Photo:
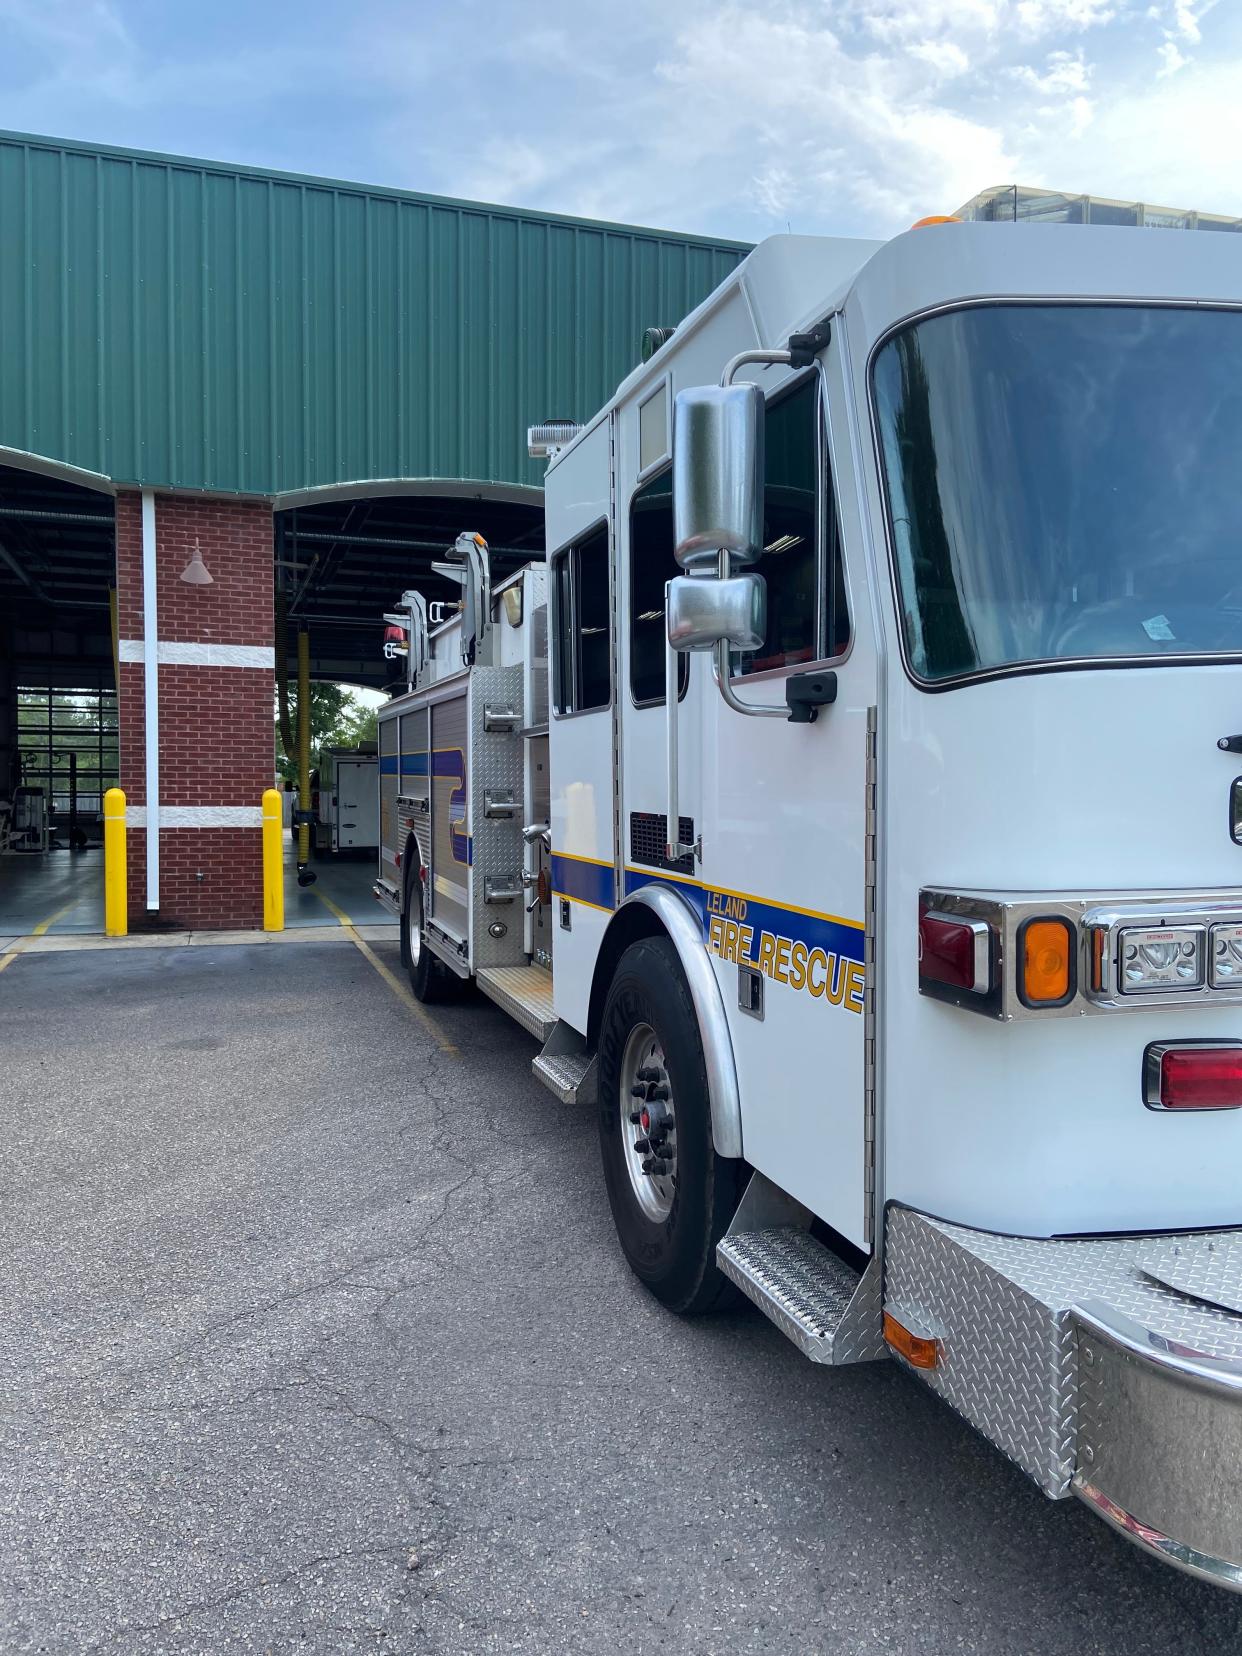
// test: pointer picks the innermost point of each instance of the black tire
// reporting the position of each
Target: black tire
(674, 1256)
(430, 979)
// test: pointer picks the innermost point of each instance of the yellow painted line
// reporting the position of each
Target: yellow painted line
(399, 989)
(19, 943)
(333, 909)
(51, 920)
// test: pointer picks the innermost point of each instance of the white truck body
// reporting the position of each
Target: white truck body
(986, 1184)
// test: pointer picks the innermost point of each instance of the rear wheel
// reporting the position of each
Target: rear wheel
(430, 979)
(672, 1196)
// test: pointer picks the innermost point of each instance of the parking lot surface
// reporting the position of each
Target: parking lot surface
(314, 1338)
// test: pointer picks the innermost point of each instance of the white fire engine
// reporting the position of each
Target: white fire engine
(852, 807)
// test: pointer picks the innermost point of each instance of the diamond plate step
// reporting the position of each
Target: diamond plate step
(830, 1312)
(524, 992)
(569, 1076)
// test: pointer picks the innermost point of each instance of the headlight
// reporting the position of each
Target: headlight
(1161, 958)
(1225, 966)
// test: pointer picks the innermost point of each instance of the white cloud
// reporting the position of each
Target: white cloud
(946, 57)
(1171, 60)
(1064, 72)
(1043, 17)
(1186, 17)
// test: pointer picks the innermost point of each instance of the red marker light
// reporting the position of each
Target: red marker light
(955, 951)
(1206, 1076)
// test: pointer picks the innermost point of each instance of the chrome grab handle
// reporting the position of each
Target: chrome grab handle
(672, 839)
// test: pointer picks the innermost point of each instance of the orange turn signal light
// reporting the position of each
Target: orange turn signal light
(1047, 962)
(919, 1350)
(936, 218)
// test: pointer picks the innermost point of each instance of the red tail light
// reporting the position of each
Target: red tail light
(955, 951)
(1193, 1075)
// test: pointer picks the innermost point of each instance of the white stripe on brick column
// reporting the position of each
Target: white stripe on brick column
(198, 816)
(151, 699)
(169, 653)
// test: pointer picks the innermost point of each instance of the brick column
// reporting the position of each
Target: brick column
(216, 684)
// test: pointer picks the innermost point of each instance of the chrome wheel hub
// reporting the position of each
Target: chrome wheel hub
(648, 1123)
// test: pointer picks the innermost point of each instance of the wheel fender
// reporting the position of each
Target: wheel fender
(686, 934)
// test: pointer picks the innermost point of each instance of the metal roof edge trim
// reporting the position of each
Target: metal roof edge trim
(192, 163)
(45, 466)
(372, 488)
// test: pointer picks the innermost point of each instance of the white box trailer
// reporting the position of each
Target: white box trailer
(348, 801)
(893, 828)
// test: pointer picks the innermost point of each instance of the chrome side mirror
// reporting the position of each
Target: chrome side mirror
(717, 474)
(705, 612)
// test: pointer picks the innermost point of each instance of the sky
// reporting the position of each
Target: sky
(736, 118)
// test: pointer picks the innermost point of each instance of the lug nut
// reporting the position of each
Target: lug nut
(642, 1146)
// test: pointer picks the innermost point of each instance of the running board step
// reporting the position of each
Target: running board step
(568, 1076)
(831, 1314)
(524, 992)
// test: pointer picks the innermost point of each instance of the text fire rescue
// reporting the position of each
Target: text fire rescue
(821, 972)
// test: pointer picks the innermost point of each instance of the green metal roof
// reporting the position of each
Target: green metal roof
(184, 323)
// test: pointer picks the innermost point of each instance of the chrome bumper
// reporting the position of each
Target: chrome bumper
(1160, 1443)
(1109, 1369)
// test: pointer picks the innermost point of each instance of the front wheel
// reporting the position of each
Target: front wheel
(430, 979)
(672, 1196)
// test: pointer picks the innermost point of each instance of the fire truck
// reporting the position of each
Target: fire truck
(851, 807)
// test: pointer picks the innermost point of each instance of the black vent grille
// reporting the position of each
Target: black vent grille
(648, 835)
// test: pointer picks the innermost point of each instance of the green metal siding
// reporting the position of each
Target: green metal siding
(178, 323)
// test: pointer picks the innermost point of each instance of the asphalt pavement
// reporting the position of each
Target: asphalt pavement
(314, 1337)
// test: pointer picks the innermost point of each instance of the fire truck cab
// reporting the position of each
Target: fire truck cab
(866, 760)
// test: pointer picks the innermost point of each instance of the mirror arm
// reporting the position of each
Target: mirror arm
(801, 353)
(720, 666)
(743, 357)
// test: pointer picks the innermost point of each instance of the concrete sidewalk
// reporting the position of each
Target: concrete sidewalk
(316, 1339)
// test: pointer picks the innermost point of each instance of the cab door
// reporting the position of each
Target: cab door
(783, 882)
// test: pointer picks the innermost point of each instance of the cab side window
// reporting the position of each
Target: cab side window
(807, 616)
(581, 680)
(652, 564)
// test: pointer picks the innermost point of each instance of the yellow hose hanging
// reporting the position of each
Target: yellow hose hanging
(282, 676)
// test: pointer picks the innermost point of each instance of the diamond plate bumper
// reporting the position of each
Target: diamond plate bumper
(1110, 1369)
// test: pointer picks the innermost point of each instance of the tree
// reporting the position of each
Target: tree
(338, 718)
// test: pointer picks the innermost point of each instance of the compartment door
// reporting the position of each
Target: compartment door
(448, 882)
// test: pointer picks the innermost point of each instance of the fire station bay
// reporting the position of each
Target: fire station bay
(240, 413)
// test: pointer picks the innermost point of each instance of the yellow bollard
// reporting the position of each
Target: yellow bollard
(273, 863)
(116, 901)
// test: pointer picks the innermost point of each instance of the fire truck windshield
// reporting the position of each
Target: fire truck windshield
(1064, 482)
